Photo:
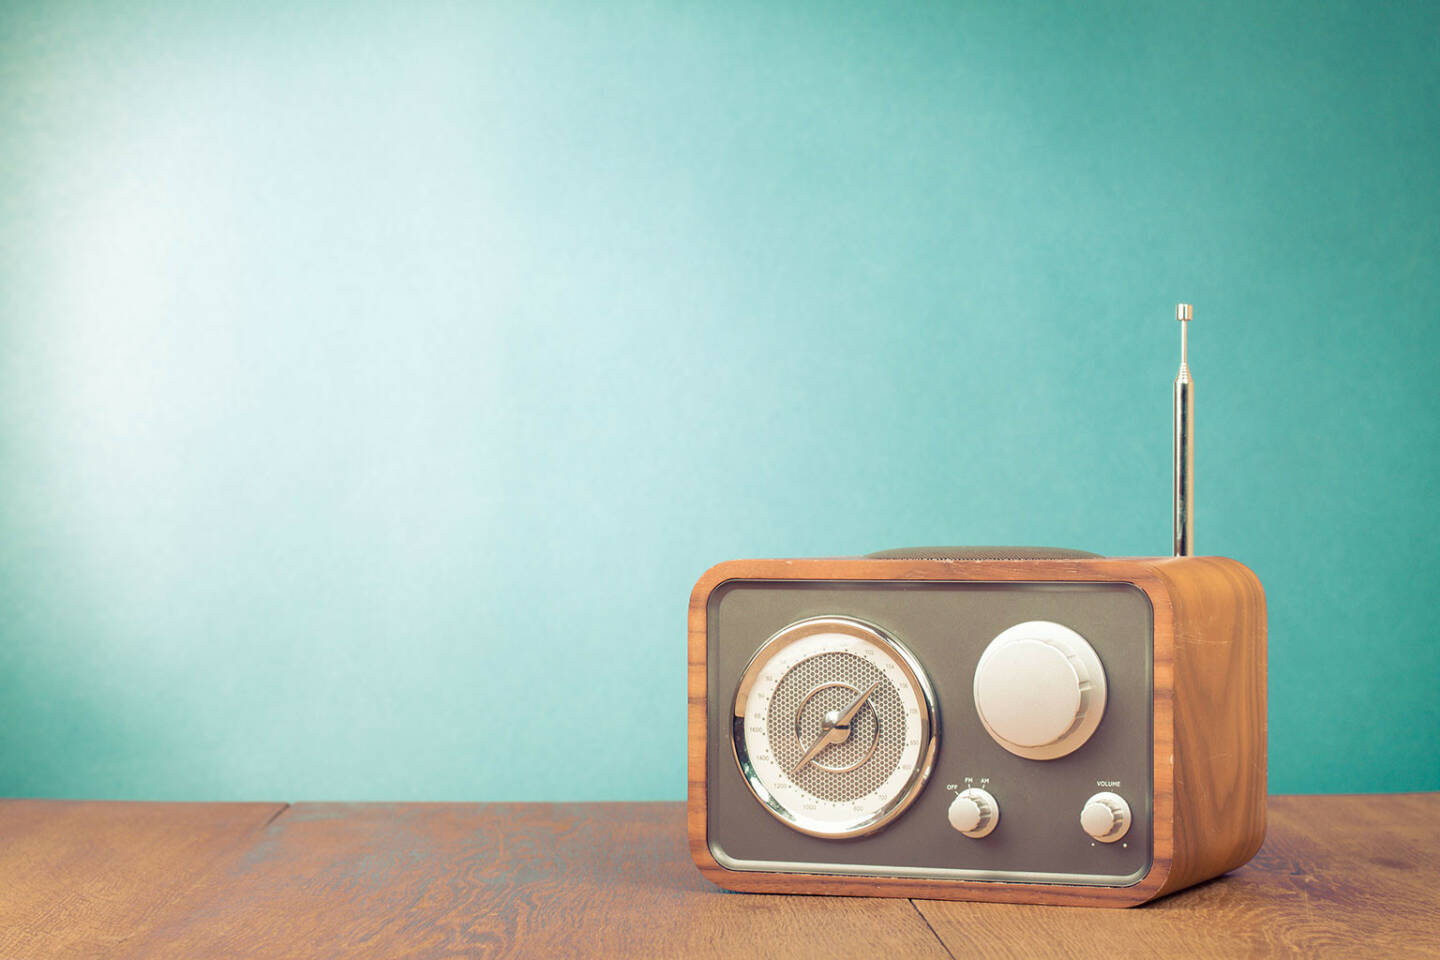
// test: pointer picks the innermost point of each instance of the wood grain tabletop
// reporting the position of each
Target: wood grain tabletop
(1341, 876)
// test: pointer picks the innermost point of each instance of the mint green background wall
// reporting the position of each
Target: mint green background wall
(375, 383)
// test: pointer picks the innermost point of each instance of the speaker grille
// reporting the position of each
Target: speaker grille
(831, 681)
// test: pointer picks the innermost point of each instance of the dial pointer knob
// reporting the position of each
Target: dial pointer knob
(836, 730)
(1040, 690)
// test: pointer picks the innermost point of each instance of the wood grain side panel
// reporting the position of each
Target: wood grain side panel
(1140, 572)
(79, 878)
(1220, 702)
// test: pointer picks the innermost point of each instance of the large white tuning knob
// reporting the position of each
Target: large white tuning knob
(1040, 690)
(1106, 817)
(974, 813)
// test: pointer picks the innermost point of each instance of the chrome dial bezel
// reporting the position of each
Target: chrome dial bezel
(929, 724)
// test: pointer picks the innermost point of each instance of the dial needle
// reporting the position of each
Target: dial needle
(836, 732)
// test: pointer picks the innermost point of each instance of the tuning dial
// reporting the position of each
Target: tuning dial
(1106, 817)
(1040, 690)
(974, 813)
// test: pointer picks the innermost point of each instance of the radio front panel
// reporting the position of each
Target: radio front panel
(935, 730)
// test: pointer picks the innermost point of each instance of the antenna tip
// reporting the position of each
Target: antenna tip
(1184, 312)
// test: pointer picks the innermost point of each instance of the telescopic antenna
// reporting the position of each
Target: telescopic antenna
(1184, 442)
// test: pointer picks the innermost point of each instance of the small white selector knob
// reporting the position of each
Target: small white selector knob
(1040, 690)
(974, 813)
(1106, 817)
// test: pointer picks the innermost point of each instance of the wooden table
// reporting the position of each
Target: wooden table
(1339, 876)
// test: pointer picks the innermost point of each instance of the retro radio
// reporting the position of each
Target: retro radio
(1013, 724)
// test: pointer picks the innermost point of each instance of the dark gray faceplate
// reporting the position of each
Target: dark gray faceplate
(947, 626)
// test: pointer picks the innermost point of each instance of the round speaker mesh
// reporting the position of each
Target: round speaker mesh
(880, 723)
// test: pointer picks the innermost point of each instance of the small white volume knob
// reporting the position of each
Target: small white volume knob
(974, 813)
(1106, 817)
(1040, 690)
